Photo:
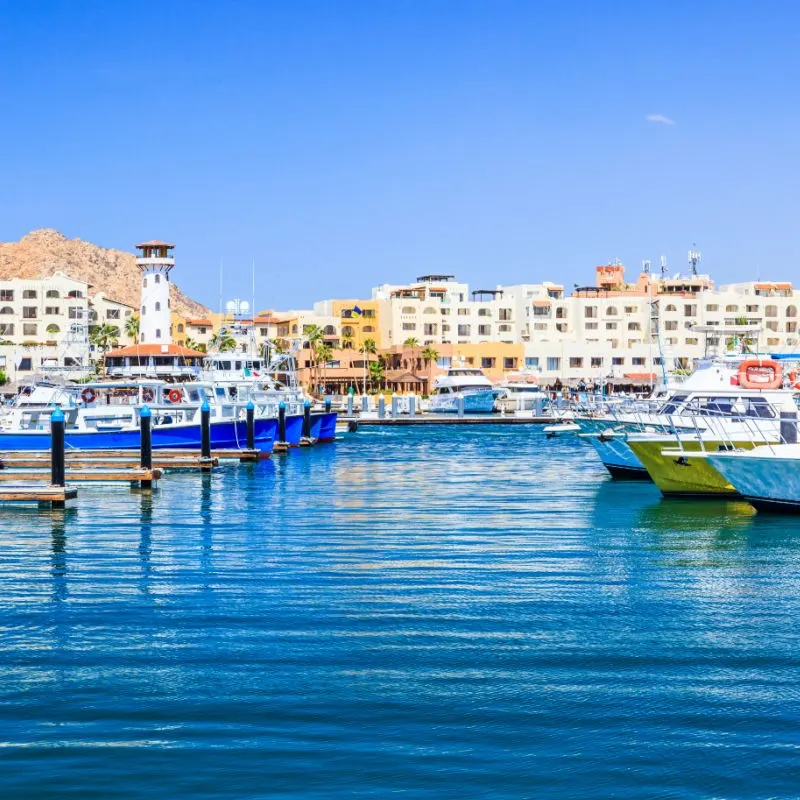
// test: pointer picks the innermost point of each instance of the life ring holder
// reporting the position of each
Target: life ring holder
(88, 395)
(148, 395)
(748, 370)
(174, 395)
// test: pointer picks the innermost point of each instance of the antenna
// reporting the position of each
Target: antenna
(646, 265)
(663, 266)
(694, 258)
(221, 265)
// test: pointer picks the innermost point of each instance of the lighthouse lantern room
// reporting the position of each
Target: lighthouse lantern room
(155, 260)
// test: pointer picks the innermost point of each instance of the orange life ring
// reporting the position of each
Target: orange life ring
(174, 395)
(88, 395)
(793, 381)
(758, 373)
(147, 395)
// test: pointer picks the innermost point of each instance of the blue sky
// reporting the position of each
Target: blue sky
(341, 144)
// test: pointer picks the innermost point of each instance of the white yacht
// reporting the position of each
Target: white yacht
(467, 384)
(520, 395)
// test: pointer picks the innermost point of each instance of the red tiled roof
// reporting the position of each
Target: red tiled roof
(199, 322)
(640, 376)
(155, 243)
(154, 350)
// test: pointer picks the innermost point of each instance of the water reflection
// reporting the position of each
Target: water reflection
(58, 556)
(145, 539)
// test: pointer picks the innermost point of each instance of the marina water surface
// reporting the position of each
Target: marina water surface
(432, 612)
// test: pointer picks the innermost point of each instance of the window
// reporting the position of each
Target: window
(52, 311)
(618, 361)
(634, 326)
(30, 329)
(731, 309)
(638, 361)
(158, 333)
(6, 329)
(506, 314)
(261, 331)
(157, 278)
(611, 326)
(531, 362)
(596, 361)
(553, 364)
(691, 340)
(671, 307)
(611, 311)
(52, 293)
(368, 329)
(590, 312)
(408, 310)
(791, 311)
(771, 311)
(484, 312)
(443, 362)
(29, 312)
(487, 363)
(484, 330)
(429, 328)
(158, 306)
(509, 363)
(409, 326)
(25, 365)
(53, 329)
(112, 313)
(201, 331)
(445, 312)
(29, 294)
(7, 295)
(463, 312)
(144, 310)
(540, 326)
(575, 362)
(671, 325)
(464, 330)
(504, 328)
(6, 310)
(751, 309)
(429, 310)
(712, 308)
(591, 326)
(631, 309)
(75, 294)
(180, 327)
(690, 310)
(772, 325)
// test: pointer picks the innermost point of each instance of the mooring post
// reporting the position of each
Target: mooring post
(349, 405)
(394, 406)
(305, 438)
(205, 430)
(412, 405)
(146, 443)
(364, 403)
(327, 404)
(282, 425)
(460, 405)
(57, 465)
(381, 406)
(251, 425)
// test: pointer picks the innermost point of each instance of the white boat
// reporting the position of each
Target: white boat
(519, 394)
(465, 387)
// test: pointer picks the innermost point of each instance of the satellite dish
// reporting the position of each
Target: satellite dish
(244, 306)
(230, 306)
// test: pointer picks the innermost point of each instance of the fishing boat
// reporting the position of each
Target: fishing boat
(106, 416)
(519, 394)
(462, 386)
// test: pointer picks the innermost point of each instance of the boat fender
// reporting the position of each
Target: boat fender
(174, 396)
(88, 395)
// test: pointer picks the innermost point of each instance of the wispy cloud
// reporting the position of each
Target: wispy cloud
(660, 118)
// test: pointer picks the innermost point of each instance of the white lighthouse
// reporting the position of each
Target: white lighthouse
(156, 261)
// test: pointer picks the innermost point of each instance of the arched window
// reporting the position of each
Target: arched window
(53, 329)
(158, 278)
(75, 293)
(611, 311)
(368, 329)
(409, 310)
(158, 306)
(158, 333)
(791, 311)
(52, 293)
(671, 307)
(347, 331)
(6, 310)
(180, 328)
(430, 310)
(330, 330)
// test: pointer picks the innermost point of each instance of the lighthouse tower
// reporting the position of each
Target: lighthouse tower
(155, 260)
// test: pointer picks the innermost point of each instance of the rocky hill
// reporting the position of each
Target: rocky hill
(113, 272)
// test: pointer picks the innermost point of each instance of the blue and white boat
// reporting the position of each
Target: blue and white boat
(106, 416)
(463, 383)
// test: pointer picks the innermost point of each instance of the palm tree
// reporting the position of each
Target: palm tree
(368, 348)
(3, 378)
(223, 341)
(347, 341)
(376, 373)
(322, 353)
(104, 337)
(313, 335)
(191, 344)
(132, 327)
(412, 343)
(430, 354)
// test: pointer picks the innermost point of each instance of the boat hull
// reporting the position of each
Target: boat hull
(224, 435)
(676, 475)
(617, 457)
(325, 426)
(474, 403)
(770, 484)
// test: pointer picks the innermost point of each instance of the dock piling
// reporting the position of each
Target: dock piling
(281, 446)
(394, 406)
(251, 425)
(146, 443)
(349, 405)
(327, 404)
(305, 438)
(412, 405)
(205, 434)
(381, 407)
(460, 405)
(57, 458)
(364, 403)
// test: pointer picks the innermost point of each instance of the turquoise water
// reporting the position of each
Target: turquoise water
(428, 612)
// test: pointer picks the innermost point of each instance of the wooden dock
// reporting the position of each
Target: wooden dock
(55, 496)
(118, 475)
